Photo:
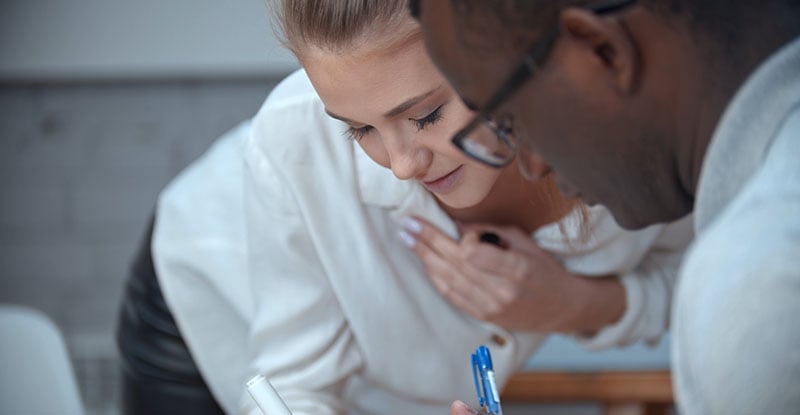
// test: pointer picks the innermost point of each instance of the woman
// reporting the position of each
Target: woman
(335, 309)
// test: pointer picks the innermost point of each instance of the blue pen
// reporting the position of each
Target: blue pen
(486, 387)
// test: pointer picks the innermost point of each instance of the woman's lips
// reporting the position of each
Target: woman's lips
(445, 183)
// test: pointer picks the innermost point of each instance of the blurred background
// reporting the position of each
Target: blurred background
(102, 102)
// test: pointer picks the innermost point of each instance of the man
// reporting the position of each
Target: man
(655, 109)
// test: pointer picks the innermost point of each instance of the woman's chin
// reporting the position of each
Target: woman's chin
(452, 201)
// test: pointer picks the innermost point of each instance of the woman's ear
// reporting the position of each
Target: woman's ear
(606, 43)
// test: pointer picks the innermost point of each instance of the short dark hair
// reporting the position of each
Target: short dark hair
(722, 21)
(722, 28)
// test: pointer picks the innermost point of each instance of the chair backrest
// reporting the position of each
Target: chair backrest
(36, 375)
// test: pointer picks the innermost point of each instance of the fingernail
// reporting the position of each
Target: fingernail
(412, 225)
(406, 238)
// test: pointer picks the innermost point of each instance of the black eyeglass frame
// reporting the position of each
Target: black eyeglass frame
(535, 57)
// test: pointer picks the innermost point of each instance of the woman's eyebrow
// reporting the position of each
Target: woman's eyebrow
(409, 103)
(394, 111)
(339, 117)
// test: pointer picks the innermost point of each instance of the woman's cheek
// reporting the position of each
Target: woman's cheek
(375, 150)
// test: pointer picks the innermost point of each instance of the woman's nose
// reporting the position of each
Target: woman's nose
(409, 161)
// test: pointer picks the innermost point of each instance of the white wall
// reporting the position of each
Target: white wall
(138, 39)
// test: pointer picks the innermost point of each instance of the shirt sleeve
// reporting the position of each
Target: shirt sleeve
(299, 338)
(648, 292)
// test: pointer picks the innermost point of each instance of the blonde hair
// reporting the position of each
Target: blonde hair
(573, 207)
(340, 25)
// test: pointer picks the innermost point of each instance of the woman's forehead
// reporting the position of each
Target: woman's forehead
(372, 80)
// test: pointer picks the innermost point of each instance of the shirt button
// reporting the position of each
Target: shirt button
(499, 340)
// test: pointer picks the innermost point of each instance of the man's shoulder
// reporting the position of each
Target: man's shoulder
(760, 231)
(768, 205)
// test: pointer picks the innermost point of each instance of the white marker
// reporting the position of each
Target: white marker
(265, 396)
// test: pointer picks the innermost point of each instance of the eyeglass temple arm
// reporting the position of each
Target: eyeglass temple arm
(532, 59)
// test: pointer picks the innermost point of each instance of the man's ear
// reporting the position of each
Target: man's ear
(608, 41)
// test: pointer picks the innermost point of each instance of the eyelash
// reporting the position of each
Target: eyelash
(357, 133)
(429, 119)
(435, 115)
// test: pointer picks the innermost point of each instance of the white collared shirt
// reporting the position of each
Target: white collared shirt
(289, 265)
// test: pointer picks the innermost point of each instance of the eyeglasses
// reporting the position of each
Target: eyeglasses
(492, 142)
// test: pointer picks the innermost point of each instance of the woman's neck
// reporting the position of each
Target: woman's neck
(515, 201)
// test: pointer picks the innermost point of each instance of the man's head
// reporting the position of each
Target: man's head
(623, 104)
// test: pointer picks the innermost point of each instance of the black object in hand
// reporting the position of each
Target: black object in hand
(491, 238)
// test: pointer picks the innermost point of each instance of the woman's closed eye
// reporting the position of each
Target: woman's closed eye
(357, 133)
(429, 119)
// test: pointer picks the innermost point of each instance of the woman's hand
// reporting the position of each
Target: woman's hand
(460, 408)
(521, 287)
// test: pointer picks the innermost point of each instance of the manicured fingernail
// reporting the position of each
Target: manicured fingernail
(406, 238)
(412, 225)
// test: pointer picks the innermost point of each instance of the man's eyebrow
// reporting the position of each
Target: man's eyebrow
(409, 103)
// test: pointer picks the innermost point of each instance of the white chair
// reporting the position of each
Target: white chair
(36, 375)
